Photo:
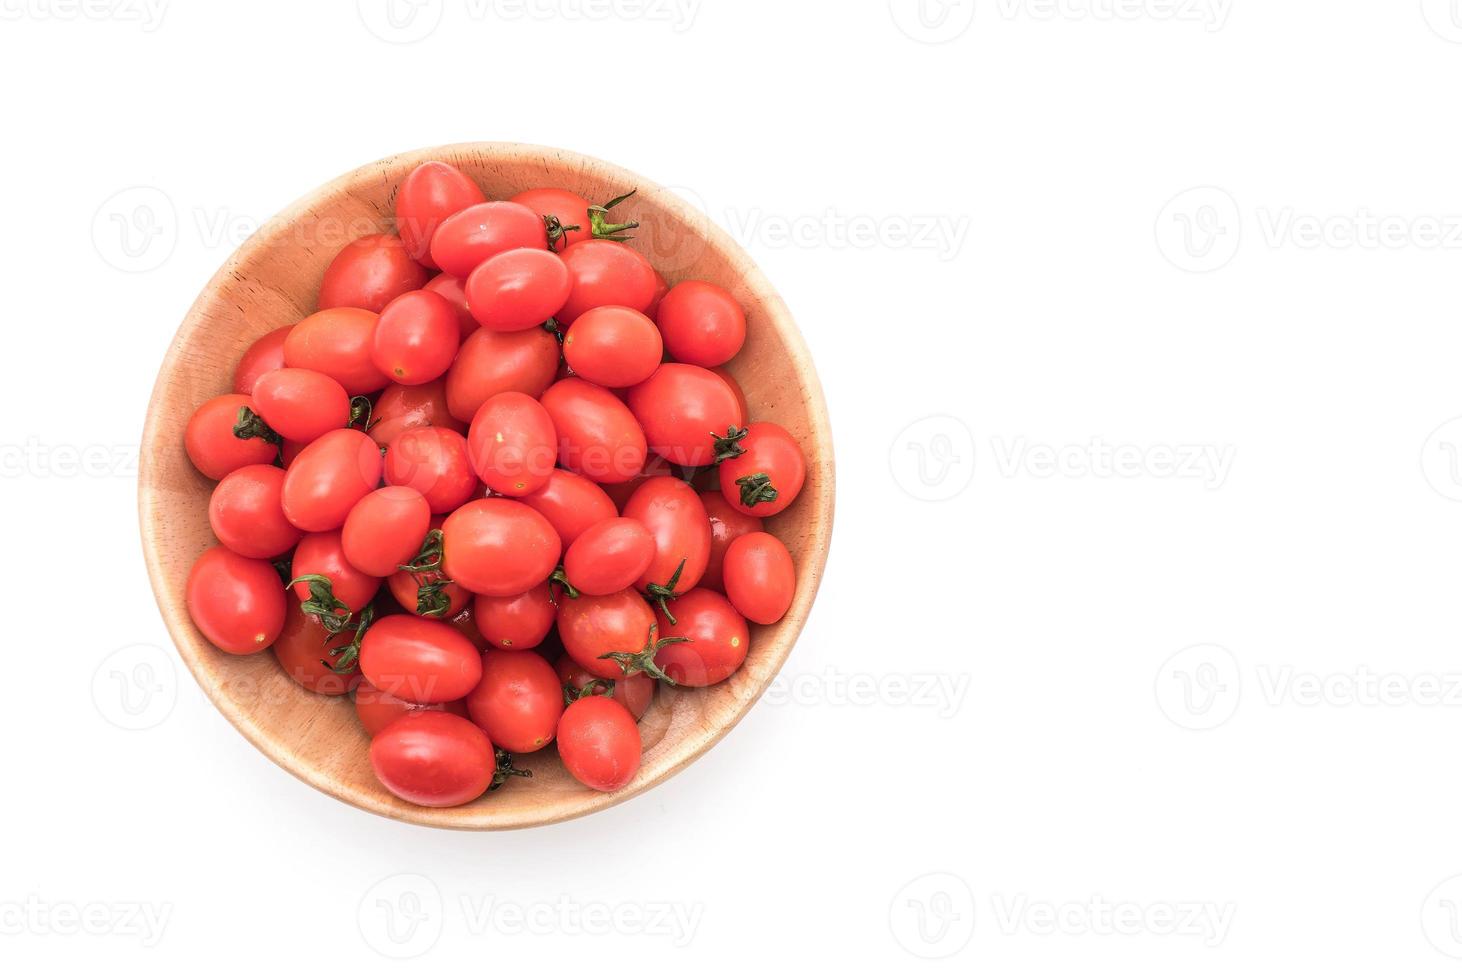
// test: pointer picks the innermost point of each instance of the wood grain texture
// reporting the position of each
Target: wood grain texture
(272, 280)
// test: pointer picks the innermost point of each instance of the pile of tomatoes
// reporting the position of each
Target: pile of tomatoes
(498, 488)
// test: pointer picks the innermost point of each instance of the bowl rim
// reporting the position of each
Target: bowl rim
(171, 601)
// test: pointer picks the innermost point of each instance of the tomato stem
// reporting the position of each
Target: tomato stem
(505, 769)
(360, 412)
(429, 557)
(662, 594)
(643, 660)
(572, 694)
(554, 327)
(557, 230)
(348, 654)
(333, 614)
(728, 446)
(248, 425)
(601, 227)
(561, 579)
(755, 489)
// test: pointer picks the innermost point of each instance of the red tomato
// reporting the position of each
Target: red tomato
(338, 343)
(515, 622)
(604, 273)
(402, 407)
(498, 547)
(369, 273)
(246, 514)
(571, 503)
(623, 624)
(264, 355)
(661, 288)
(727, 524)
(421, 588)
(518, 289)
(491, 362)
(702, 323)
(416, 338)
(431, 193)
(385, 529)
(736, 391)
(473, 235)
(328, 477)
(236, 602)
(211, 443)
(613, 346)
(569, 211)
(512, 444)
(599, 743)
(323, 556)
(598, 437)
(609, 556)
(760, 579)
(300, 404)
(766, 472)
(518, 700)
(435, 462)
(718, 637)
(634, 692)
(376, 709)
(307, 654)
(433, 758)
(419, 660)
(453, 290)
(682, 409)
(675, 517)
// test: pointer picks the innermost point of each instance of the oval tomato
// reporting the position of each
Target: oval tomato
(571, 503)
(246, 514)
(613, 346)
(338, 343)
(605, 273)
(702, 323)
(264, 355)
(402, 407)
(598, 437)
(422, 589)
(433, 758)
(498, 547)
(211, 443)
(760, 577)
(518, 701)
(675, 517)
(419, 660)
(376, 709)
(491, 362)
(454, 291)
(416, 338)
(727, 524)
(635, 692)
(682, 408)
(236, 602)
(594, 627)
(515, 622)
(369, 273)
(306, 652)
(766, 472)
(431, 193)
(475, 234)
(512, 444)
(300, 404)
(599, 743)
(518, 289)
(435, 462)
(385, 529)
(328, 478)
(717, 634)
(345, 589)
(609, 556)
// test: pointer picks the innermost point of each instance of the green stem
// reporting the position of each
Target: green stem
(643, 660)
(755, 489)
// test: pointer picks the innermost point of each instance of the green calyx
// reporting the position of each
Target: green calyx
(728, 446)
(662, 594)
(248, 425)
(431, 586)
(756, 489)
(348, 654)
(505, 769)
(643, 660)
(333, 614)
(601, 227)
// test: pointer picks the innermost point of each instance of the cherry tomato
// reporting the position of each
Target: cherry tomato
(402, 407)
(307, 654)
(416, 338)
(376, 709)
(407, 587)
(515, 622)
(431, 193)
(661, 288)
(328, 477)
(571, 503)
(518, 289)
(593, 626)
(569, 210)
(369, 273)
(599, 743)
(604, 273)
(211, 443)
(491, 362)
(760, 579)
(419, 660)
(512, 444)
(718, 635)
(300, 404)
(384, 529)
(246, 514)
(613, 346)
(518, 700)
(768, 473)
(435, 462)
(475, 234)
(323, 554)
(433, 758)
(598, 437)
(264, 355)
(702, 323)
(498, 547)
(634, 692)
(727, 524)
(453, 290)
(609, 556)
(337, 342)
(682, 409)
(236, 602)
(675, 517)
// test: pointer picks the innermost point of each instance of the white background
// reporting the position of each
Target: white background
(1149, 483)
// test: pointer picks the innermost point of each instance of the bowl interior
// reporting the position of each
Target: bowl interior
(272, 280)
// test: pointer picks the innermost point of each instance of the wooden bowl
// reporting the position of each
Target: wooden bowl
(272, 280)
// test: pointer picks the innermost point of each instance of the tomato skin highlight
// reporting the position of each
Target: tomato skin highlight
(727, 524)
(368, 273)
(512, 444)
(453, 290)
(604, 273)
(515, 622)
(434, 462)
(571, 503)
(210, 441)
(384, 530)
(613, 346)
(376, 709)
(492, 361)
(591, 626)
(770, 451)
(675, 517)
(264, 355)
(518, 289)
(337, 343)
(300, 404)
(760, 577)
(419, 660)
(328, 478)
(236, 602)
(518, 701)
(323, 553)
(598, 437)
(416, 338)
(304, 650)
(402, 407)
(682, 408)
(475, 234)
(498, 547)
(247, 516)
(634, 692)
(718, 634)
(609, 556)
(430, 194)
(433, 758)
(599, 743)
(702, 323)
